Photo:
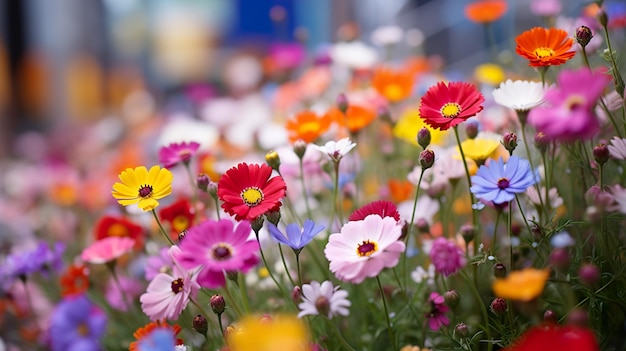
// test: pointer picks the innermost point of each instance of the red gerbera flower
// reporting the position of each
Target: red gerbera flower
(248, 192)
(556, 338)
(382, 208)
(118, 226)
(447, 105)
(179, 215)
(144, 331)
(75, 280)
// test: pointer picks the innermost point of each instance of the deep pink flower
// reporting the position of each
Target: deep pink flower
(568, 112)
(364, 248)
(175, 153)
(446, 257)
(107, 249)
(218, 248)
(436, 316)
(382, 208)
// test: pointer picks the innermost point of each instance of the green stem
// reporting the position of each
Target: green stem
(232, 300)
(510, 231)
(342, 340)
(241, 283)
(584, 54)
(304, 193)
(297, 253)
(532, 166)
(167, 237)
(217, 207)
(194, 190)
(111, 266)
(289, 205)
(483, 309)
(477, 235)
(521, 211)
(338, 205)
(410, 230)
(495, 234)
(282, 258)
(389, 328)
(201, 309)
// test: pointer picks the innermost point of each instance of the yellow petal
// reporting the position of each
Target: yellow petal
(148, 204)
(141, 173)
(122, 191)
(129, 177)
(153, 175)
(126, 202)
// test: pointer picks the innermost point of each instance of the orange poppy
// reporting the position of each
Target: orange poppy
(393, 85)
(545, 46)
(400, 190)
(485, 11)
(307, 126)
(523, 285)
(356, 117)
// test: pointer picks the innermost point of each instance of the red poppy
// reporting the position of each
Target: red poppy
(383, 208)
(179, 216)
(118, 226)
(75, 280)
(447, 105)
(248, 192)
(556, 338)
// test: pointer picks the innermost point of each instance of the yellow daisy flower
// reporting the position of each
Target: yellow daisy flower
(410, 123)
(269, 333)
(479, 150)
(142, 187)
(523, 285)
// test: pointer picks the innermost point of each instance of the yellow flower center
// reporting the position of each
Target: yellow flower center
(309, 127)
(543, 52)
(366, 248)
(575, 101)
(118, 229)
(393, 92)
(252, 196)
(180, 223)
(450, 110)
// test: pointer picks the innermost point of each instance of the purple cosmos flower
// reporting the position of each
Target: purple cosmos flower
(568, 113)
(499, 181)
(76, 324)
(175, 153)
(296, 237)
(446, 257)
(41, 259)
(436, 316)
(218, 247)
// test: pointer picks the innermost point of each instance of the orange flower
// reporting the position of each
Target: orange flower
(308, 126)
(523, 285)
(545, 46)
(147, 329)
(75, 280)
(400, 190)
(485, 11)
(356, 117)
(393, 85)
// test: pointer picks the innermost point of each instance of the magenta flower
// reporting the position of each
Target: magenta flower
(436, 316)
(382, 208)
(218, 248)
(175, 153)
(364, 248)
(107, 249)
(446, 257)
(568, 113)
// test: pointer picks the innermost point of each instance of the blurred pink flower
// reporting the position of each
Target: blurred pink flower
(130, 290)
(446, 257)
(436, 316)
(617, 148)
(168, 295)
(364, 248)
(175, 153)
(107, 249)
(546, 8)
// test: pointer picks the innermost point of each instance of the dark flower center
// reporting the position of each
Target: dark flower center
(221, 252)
(366, 248)
(145, 191)
(177, 285)
(503, 183)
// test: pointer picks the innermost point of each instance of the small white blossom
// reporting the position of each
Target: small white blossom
(420, 275)
(519, 95)
(323, 298)
(562, 240)
(336, 150)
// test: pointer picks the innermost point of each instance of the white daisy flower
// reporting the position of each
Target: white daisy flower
(617, 148)
(336, 150)
(519, 95)
(323, 299)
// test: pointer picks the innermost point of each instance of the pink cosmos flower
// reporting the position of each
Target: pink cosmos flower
(218, 248)
(175, 153)
(617, 148)
(446, 257)
(364, 248)
(438, 308)
(107, 249)
(546, 8)
(168, 294)
(568, 111)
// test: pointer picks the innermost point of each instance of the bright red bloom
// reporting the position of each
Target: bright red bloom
(382, 208)
(144, 331)
(447, 105)
(75, 280)
(118, 226)
(179, 215)
(248, 192)
(556, 338)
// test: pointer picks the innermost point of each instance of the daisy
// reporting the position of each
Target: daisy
(336, 150)
(296, 237)
(248, 192)
(364, 248)
(307, 126)
(519, 95)
(107, 249)
(485, 11)
(76, 324)
(179, 215)
(142, 187)
(323, 299)
(382, 208)
(499, 182)
(479, 149)
(617, 148)
(393, 85)
(217, 246)
(545, 46)
(75, 280)
(175, 153)
(447, 105)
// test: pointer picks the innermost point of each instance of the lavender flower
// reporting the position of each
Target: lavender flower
(296, 237)
(499, 182)
(77, 324)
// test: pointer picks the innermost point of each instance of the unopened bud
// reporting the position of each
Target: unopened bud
(589, 275)
(468, 233)
(299, 147)
(541, 142)
(583, 35)
(218, 304)
(232, 275)
(549, 316)
(273, 217)
(257, 224)
(471, 130)
(230, 330)
(427, 158)
(461, 330)
(212, 189)
(509, 140)
(452, 298)
(273, 160)
(200, 324)
(578, 317)
(499, 271)
(296, 294)
(601, 153)
(423, 137)
(202, 182)
(603, 19)
(342, 103)
(498, 306)
(560, 259)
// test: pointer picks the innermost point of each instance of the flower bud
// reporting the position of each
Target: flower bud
(461, 330)
(202, 182)
(200, 324)
(257, 224)
(541, 142)
(427, 158)
(583, 35)
(273, 217)
(560, 259)
(342, 103)
(498, 306)
(452, 298)
(468, 233)
(549, 316)
(509, 140)
(230, 330)
(232, 275)
(578, 317)
(299, 147)
(592, 193)
(601, 153)
(212, 189)
(603, 19)
(471, 130)
(273, 160)
(296, 294)
(423, 137)
(218, 304)
(589, 274)
(499, 271)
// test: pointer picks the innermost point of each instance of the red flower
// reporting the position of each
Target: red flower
(382, 208)
(556, 338)
(75, 280)
(117, 226)
(248, 192)
(447, 105)
(179, 215)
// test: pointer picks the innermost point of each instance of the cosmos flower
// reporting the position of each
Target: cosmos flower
(485, 11)
(523, 285)
(336, 150)
(142, 187)
(499, 182)
(568, 111)
(41, 259)
(159, 263)
(383, 208)
(323, 299)
(446, 105)
(175, 153)
(248, 192)
(307, 126)
(519, 95)
(617, 148)
(107, 249)
(446, 257)
(364, 248)
(545, 46)
(437, 314)
(296, 237)
(119, 226)
(76, 324)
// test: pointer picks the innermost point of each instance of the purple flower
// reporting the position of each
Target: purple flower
(175, 153)
(38, 260)
(296, 237)
(436, 316)
(76, 324)
(160, 339)
(568, 113)
(499, 182)
(446, 257)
